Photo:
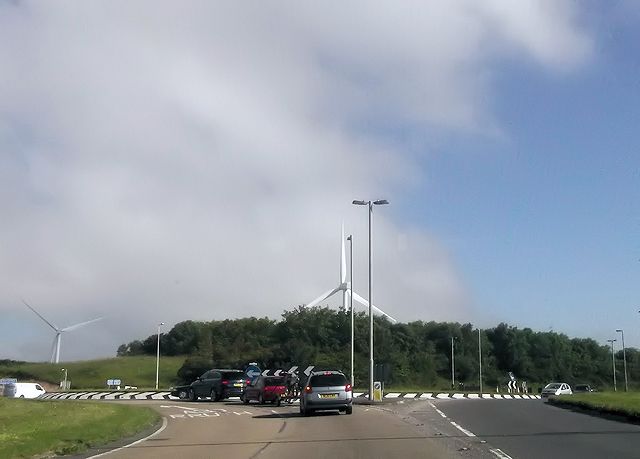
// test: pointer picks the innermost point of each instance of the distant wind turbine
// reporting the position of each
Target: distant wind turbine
(55, 347)
(345, 288)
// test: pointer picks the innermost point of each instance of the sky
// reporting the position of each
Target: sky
(171, 161)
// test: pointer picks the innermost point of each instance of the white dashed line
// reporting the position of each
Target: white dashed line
(501, 454)
(462, 429)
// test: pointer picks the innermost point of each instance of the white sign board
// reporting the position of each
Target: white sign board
(113, 382)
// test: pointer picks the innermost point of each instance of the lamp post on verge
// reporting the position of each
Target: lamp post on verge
(158, 356)
(613, 363)
(350, 239)
(453, 366)
(370, 204)
(480, 359)
(624, 359)
(64, 383)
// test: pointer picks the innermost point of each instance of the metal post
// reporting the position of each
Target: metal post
(350, 239)
(613, 363)
(370, 312)
(64, 384)
(480, 358)
(624, 359)
(453, 367)
(158, 356)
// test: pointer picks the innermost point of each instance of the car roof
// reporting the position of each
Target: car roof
(328, 372)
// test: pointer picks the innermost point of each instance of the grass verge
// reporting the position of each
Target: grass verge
(611, 403)
(39, 427)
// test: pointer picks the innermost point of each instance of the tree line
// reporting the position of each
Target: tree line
(408, 354)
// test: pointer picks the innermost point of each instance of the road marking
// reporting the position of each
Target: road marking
(159, 395)
(164, 426)
(441, 396)
(393, 395)
(473, 396)
(501, 454)
(458, 396)
(462, 429)
(486, 395)
(411, 395)
(438, 411)
(426, 395)
(143, 395)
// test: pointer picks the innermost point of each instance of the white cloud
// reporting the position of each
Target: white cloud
(169, 161)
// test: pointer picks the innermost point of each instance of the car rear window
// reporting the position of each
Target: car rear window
(327, 380)
(274, 381)
(232, 375)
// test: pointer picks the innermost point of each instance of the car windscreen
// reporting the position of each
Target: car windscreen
(274, 381)
(327, 380)
(232, 375)
(552, 386)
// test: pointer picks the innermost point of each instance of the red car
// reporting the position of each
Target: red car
(264, 389)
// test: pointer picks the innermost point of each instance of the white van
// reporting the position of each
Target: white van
(28, 390)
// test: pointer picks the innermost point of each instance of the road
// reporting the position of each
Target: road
(533, 429)
(477, 429)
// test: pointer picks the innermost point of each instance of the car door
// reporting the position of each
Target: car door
(202, 386)
(216, 382)
(253, 389)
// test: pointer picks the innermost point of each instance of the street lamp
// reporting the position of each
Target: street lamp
(613, 362)
(158, 356)
(370, 204)
(480, 359)
(453, 365)
(624, 359)
(350, 239)
(64, 384)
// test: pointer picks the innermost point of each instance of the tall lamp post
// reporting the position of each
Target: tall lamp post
(453, 365)
(158, 356)
(350, 239)
(613, 363)
(480, 359)
(370, 204)
(624, 359)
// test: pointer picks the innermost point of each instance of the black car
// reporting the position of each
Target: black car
(216, 384)
(583, 388)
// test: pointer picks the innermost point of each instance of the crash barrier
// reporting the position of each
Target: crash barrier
(161, 395)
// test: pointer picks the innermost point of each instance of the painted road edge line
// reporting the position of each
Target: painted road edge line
(162, 427)
(462, 429)
(501, 454)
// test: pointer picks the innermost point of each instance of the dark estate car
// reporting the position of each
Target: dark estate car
(265, 389)
(216, 384)
(326, 390)
(583, 388)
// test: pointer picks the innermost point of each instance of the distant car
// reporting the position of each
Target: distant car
(326, 390)
(265, 389)
(556, 389)
(215, 384)
(583, 388)
(24, 390)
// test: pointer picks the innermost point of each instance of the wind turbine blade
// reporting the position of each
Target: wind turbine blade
(324, 296)
(73, 327)
(53, 348)
(343, 261)
(364, 302)
(38, 314)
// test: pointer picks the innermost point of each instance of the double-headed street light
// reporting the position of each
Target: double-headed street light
(624, 359)
(158, 356)
(613, 363)
(370, 204)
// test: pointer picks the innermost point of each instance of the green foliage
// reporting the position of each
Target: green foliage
(418, 353)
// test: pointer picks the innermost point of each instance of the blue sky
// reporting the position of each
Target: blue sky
(166, 163)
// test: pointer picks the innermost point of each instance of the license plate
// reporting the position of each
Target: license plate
(237, 385)
(328, 395)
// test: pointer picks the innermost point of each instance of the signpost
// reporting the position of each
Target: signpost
(377, 391)
(253, 371)
(114, 383)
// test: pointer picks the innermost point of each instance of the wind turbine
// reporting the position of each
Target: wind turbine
(55, 347)
(345, 288)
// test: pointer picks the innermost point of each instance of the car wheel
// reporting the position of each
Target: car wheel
(349, 409)
(261, 399)
(183, 395)
(244, 399)
(214, 395)
(192, 395)
(278, 400)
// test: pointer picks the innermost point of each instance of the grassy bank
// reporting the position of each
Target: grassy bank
(36, 427)
(618, 403)
(137, 371)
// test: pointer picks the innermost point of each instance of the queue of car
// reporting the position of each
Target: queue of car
(323, 390)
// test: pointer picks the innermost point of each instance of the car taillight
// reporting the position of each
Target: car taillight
(308, 389)
(347, 388)
(247, 382)
(225, 382)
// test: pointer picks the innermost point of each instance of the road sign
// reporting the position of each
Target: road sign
(377, 391)
(114, 382)
(253, 371)
(308, 370)
(8, 381)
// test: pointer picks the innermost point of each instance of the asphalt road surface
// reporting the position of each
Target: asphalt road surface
(533, 429)
(478, 429)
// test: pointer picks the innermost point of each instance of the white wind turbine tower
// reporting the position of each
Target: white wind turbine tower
(55, 347)
(345, 288)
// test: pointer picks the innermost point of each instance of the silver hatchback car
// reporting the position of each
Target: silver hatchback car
(326, 390)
